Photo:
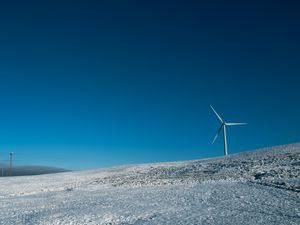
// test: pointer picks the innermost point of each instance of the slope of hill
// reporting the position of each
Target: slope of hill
(258, 187)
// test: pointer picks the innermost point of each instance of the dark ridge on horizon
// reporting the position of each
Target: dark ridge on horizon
(30, 170)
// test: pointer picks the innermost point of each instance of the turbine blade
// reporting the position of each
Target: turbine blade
(217, 134)
(234, 124)
(217, 114)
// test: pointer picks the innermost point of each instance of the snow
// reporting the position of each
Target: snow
(257, 187)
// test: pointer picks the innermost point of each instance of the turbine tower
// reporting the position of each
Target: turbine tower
(10, 163)
(223, 126)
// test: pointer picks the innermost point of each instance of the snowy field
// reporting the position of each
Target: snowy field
(258, 187)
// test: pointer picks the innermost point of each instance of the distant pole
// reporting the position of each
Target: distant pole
(10, 163)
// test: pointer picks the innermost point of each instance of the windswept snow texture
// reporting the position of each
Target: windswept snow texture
(259, 187)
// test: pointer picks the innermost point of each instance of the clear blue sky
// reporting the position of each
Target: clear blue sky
(90, 84)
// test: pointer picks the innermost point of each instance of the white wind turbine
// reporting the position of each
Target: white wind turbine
(223, 126)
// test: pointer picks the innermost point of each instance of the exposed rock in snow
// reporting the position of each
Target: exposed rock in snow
(258, 187)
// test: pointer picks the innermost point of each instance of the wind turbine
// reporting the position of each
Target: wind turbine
(223, 126)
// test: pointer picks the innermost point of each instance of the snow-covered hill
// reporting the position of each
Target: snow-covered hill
(258, 187)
